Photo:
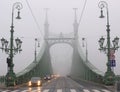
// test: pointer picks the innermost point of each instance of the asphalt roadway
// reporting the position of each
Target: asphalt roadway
(60, 84)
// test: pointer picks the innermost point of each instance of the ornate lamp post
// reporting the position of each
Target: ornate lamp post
(36, 40)
(85, 40)
(109, 77)
(11, 50)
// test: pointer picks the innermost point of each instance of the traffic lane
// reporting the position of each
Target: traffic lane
(68, 85)
(25, 88)
(63, 84)
(89, 84)
(93, 86)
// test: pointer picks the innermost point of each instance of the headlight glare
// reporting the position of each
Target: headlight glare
(29, 83)
(39, 82)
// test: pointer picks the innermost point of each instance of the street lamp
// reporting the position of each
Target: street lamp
(36, 40)
(85, 40)
(109, 49)
(11, 50)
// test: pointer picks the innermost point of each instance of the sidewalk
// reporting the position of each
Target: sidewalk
(2, 85)
(112, 88)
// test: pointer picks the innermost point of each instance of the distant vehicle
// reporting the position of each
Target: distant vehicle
(35, 81)
(47, 77)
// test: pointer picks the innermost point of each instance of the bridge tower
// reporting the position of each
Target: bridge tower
(46, 25)
(75, 24)
(47, 61)
(76, 64)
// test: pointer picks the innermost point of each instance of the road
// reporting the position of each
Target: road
(60, 84)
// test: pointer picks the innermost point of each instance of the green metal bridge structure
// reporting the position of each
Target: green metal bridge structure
(80, 69)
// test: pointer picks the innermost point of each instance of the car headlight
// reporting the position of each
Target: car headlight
(38, 83)
(29, 83)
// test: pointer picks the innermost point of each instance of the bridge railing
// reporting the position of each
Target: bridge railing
(94, 73)
(26, 74)
(86, 70)
(2, 79)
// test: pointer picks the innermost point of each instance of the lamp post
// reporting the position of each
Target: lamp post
(36, 40)
(85, 40)
(109, 49)
(11, 50)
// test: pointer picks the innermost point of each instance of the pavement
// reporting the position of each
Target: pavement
(2, 85)
(111, 88)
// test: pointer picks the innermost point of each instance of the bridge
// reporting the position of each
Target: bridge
(81, 68)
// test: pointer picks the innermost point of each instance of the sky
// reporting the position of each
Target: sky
(61, 18)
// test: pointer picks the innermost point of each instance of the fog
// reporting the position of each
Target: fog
(61, 18)
(61, 61)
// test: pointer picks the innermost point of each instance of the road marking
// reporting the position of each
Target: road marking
(85, 90)
(25, 90)
(105, 90)
(38, 90)
(72, 90)
(46, 90)
(15, 91)
(59, 90)
(94, 90)
(6, 91)
(35, 90)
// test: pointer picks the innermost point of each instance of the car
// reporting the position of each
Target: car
(47, 77)
(35, 81)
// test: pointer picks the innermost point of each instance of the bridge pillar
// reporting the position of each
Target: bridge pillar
(45, 66)
(77, 69)
(46, 25)
(75, 25)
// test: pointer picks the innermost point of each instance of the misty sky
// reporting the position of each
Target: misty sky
(61, 18)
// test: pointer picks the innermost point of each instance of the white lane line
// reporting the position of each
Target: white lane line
(38, 90)
(15, 91)
(94, 90)
(46, 90)
(6, 91)
(86, 90)
(25, 90)
(59, 90)
(30, 90)
(105, 90)
(72, 90)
